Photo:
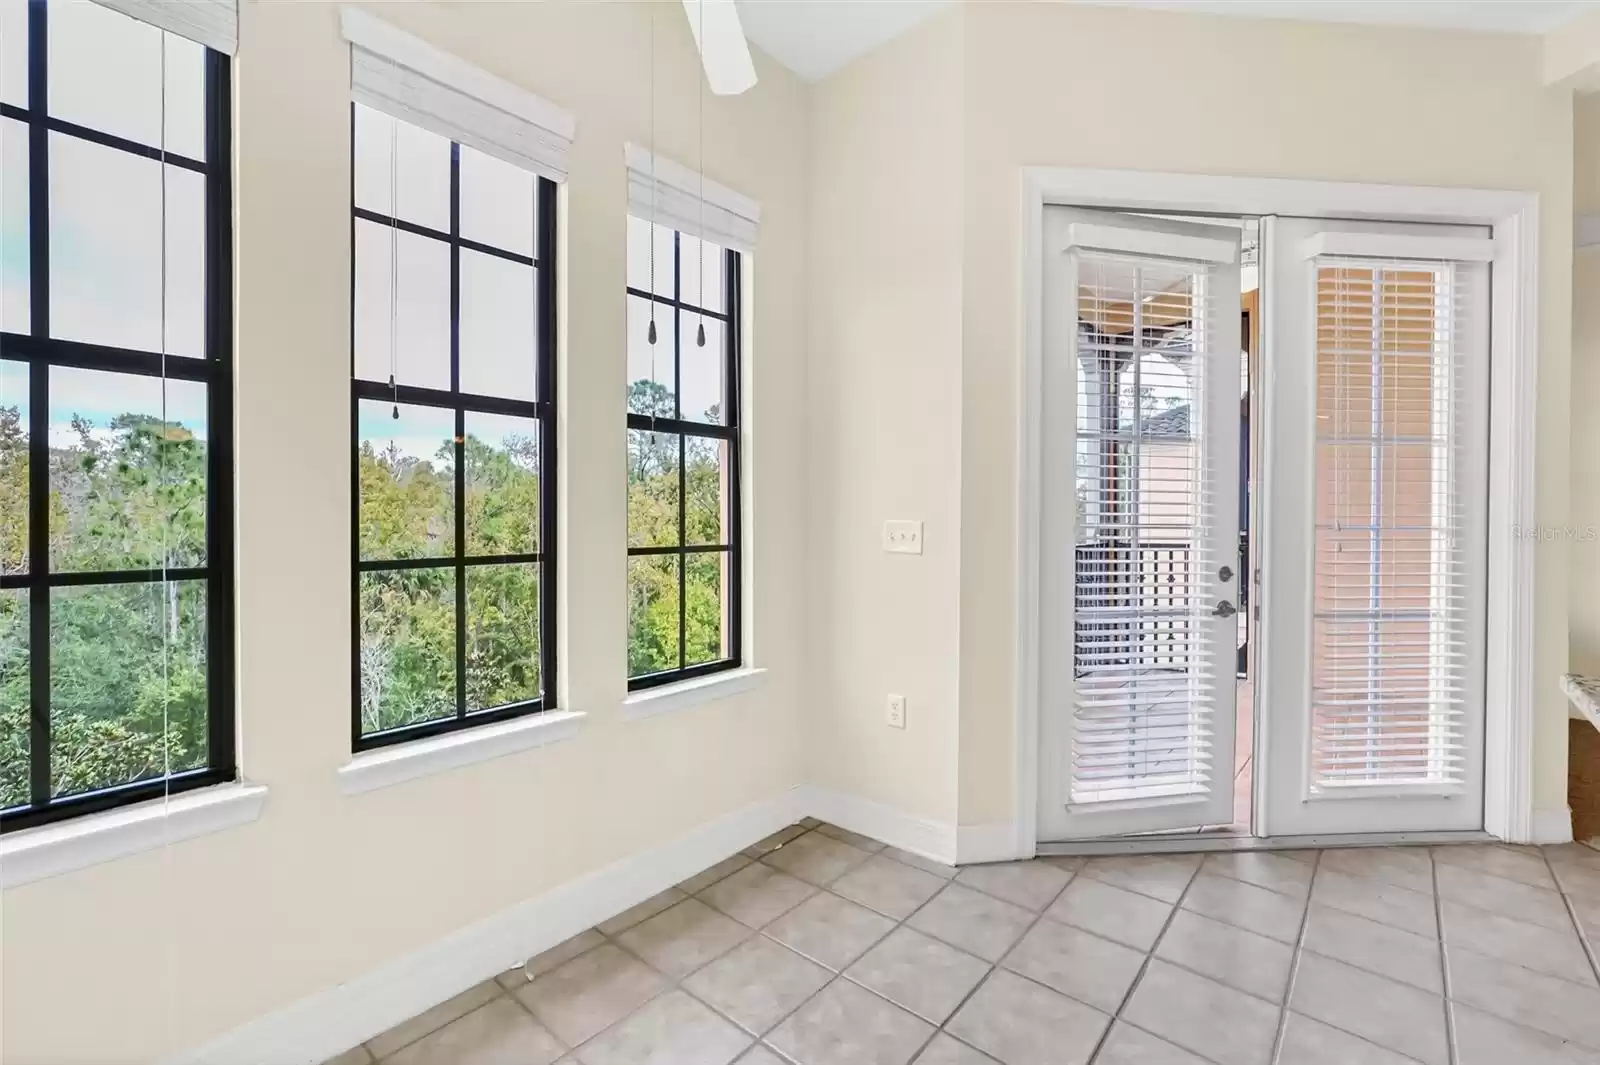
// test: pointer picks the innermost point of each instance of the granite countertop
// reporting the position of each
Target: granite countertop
(1585, 695)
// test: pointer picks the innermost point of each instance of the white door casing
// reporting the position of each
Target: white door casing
(1139, 513)
(1375, 495)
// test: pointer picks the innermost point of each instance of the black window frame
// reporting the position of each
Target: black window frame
(729, 432)
(542, 408)
(40, 352)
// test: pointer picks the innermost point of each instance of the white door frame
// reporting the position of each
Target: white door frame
(1514, 347)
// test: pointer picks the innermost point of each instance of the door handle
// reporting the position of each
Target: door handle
(1224, 609)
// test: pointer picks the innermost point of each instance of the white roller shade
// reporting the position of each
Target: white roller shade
(407, 77)
(213, 23)
(1395, 553)
(670, 194)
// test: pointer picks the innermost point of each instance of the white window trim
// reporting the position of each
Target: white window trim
(213, 23)
(670, 698)
(50, 850)
(1510, 696)
(408, 78)
(675, 196)
(386, 766)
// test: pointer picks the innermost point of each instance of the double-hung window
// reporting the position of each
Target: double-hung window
(453, 394)
(683, 402)
(116, 593)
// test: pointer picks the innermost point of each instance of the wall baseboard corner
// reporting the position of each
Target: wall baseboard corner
(330, 1022)
(919, 835)
(994, 842)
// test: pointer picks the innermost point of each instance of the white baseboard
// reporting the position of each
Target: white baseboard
(328, 1023)
(1552, 826)
(919, 835)
(994, 842)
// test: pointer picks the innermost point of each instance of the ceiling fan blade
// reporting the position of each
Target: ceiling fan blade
(723, 50)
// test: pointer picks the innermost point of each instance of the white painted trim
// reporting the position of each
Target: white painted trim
(993, 842)
(37, 853)
(334, 1020)
(1552, 826)
(1163, 245)
(670, 698)
(1398, 246)
(1214, 842)
(388, 766)
(1508, 802)
(919, 835)
(1586, 231)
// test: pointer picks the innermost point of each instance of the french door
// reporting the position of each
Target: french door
(1375, 492)
(1140, 474)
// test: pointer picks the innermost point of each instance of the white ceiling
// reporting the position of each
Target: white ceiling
(814, 38)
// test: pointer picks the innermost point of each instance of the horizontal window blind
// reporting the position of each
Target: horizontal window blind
(410, 79)
(1391, 602)
(1143, 579)
(676, 197)
(213, 23)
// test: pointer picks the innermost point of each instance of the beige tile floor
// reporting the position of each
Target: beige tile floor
(819, 947)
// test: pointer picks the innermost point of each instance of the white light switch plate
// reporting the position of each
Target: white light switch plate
(902, 537)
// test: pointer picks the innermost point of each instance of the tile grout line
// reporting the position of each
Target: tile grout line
(1572, 915)
(1276, 1053)
(1451, 1048)
(1144, 966)
(994, 966)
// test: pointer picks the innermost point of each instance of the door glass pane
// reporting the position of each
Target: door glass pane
(127, 471)
(498, 349)
(408, 647)
(420, 179)
(127, 683)
(15, 289)
(653, 490)
(705, 491)
(652, 614)
(108, 211)
(705, 610)
(13, 467)
(14, 697)
(106, 73)
(703, 367)
(502, 463)
(498, 204)
(502, 635)
(402, 321)
(407, 477)
(652, 380)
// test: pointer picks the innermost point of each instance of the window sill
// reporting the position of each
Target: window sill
(387, 766)
(670, 698)
(50, 850)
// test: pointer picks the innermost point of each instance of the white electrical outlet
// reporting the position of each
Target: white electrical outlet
(902, 537)
(896, 717)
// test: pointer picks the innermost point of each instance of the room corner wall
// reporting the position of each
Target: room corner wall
(884, 396)
(1585, 517)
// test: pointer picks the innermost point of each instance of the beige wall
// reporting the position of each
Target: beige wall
(128, 960)
(1585, 517)
(884, 391)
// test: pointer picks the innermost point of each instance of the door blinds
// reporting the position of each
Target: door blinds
(1144, 651)
(1392, 611)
